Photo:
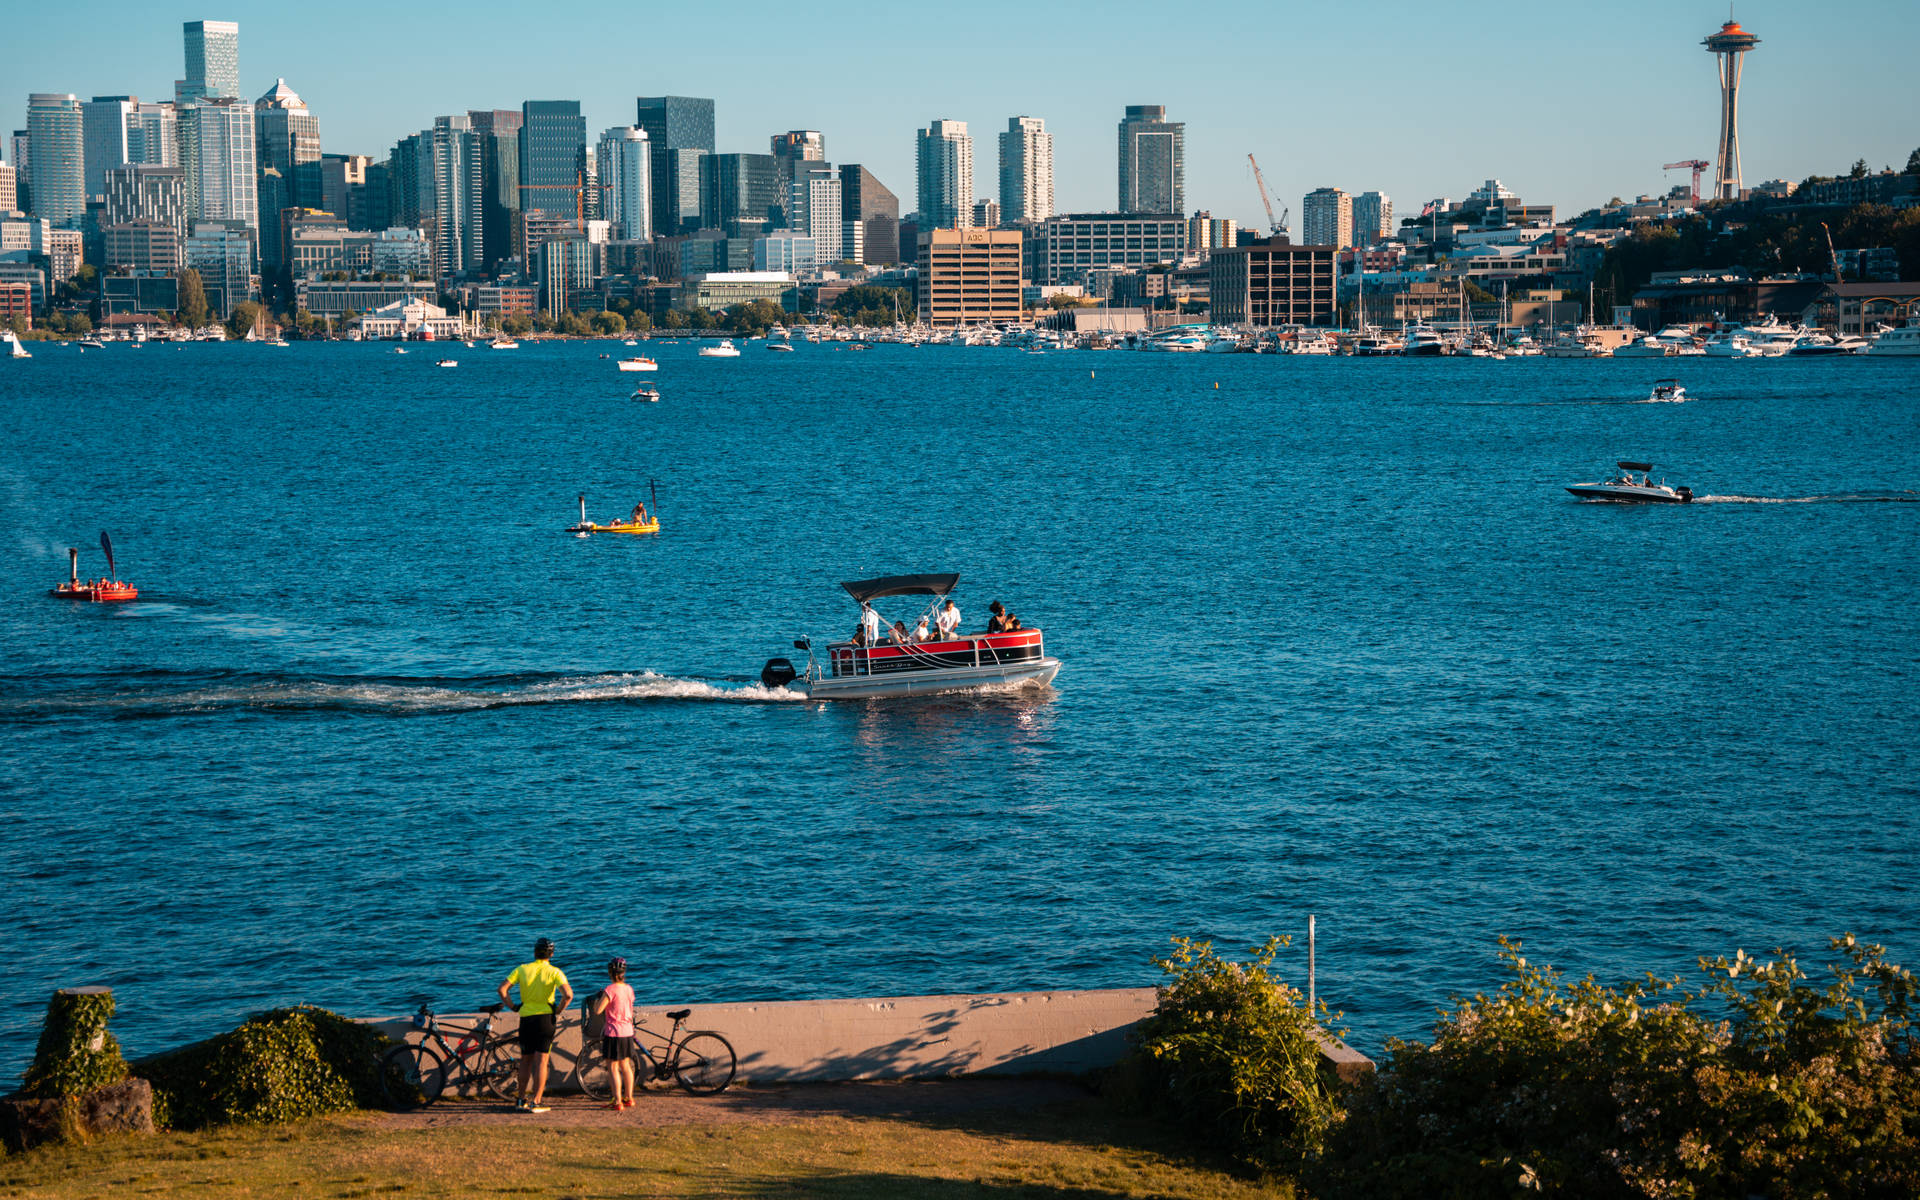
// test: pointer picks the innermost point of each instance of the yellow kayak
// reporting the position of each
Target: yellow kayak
(616, 527)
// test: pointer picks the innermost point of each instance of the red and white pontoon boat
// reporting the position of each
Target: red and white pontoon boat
(853, 670)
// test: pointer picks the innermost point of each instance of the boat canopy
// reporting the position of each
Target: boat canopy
(1634, 466)
(864, 590)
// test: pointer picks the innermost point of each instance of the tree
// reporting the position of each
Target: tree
(1913, 163)
(638, 321)
(673, 318)
(754, 317)
(870, 304)
(193, 299)
(1858, 170)
(608, 323)
(517, 324)
(243, 317)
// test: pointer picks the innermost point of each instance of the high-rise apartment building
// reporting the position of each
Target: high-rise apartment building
(944, 153)
(459, 222)
(285, 133)
(869, 216)
(740, 194)
(499, 132)
(1153, 162)
(969, 276)
(153, 135)
(625, 177)
(1026, 170)
(553, 157)
(676, 123)
(217, 156)
(213, 62)
(137, 192)
(1326, 218)
(20, 154)
(815, 207)
(1207, 233)
(103, 131)
(1372, 217)
(986, 214)
(57, 150)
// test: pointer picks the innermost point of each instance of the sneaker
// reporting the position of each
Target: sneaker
(523, 1106)
(538, 1108)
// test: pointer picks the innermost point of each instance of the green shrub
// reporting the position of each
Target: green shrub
(283, 1065)
(76, 1054)
(1232, 1053)
(1755, 1084)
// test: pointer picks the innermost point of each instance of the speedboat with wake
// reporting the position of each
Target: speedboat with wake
(1666, 391)
(903, 666)
(1625, 490)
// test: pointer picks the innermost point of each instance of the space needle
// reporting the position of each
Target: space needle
(1730, 45)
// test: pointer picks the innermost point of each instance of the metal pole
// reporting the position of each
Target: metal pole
(1312, 953)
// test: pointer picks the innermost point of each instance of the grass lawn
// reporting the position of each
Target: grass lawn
(1063, 1151)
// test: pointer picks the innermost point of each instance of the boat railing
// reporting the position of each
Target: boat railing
(849, 659)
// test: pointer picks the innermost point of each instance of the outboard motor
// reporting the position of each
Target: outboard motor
(778, 673)
(1685, 493)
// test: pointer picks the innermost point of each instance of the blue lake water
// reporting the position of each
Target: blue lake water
(1334, 641)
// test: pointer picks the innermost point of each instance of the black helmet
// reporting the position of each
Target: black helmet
(543, 948)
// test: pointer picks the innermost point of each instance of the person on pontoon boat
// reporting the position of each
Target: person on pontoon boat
(949, 619)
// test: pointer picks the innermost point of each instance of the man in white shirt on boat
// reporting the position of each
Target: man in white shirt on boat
(870, 622)
(949, 620)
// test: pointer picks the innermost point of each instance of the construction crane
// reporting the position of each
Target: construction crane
(1277, 227)
(1696, 165)
(1833, 254)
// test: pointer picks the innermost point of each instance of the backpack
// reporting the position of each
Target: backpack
(595, 1016)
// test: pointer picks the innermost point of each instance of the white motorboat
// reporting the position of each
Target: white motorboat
(446, 362)
(503, 344)
(959, 662)
(1572, 346)
(638, 364)
(1897, 343)
(1625, 490)
(1646, 347)
(1814, 344)
(726, 349)
(1422, 341)
(1731, 343)
(786, 347)
(92, 344)
(648, 394)
(1666, 391)
(1678, 339)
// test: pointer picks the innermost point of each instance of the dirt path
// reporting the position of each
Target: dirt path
(770, 1104)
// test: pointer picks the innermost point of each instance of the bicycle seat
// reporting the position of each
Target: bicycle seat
(493, 1008)
(679, 1014)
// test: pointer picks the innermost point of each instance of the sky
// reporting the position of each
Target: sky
(1567, 105)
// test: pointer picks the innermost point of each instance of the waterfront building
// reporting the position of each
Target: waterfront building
(35, 280)
(503, 300)
(1372, 218)
(9, 189)
(553, 157)
(1026, 171)
(566, 266)
(103, 134)
(1273, 282)
(740, 194)
(625, 179)
(217, 153)
(786, 251)
(213, 62)
(969, 276)
(986, 214)
(870, 217)
(153, 135)
(724, 289)
(285, 133)
(676, 124)
(1069, 247)
(815, 207)
(137, 292)
(334, 298)
(458, 183)
(1326, 218)
(410, 318)
(222, 251)
(1153, 170)
(144, 193)
(16, 303)
(499, 132)
(944, 153)
(56, 146)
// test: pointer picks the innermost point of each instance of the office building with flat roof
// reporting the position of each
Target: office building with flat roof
(625, 178)
(1070, 247)
(222, 251)
(795, 148)
(786, 251)
(1272, 282)
(213, 62)
(499, 132)
(217, 153)
(153, 135)
(553, 157)
(944, 154)
(740, 194)
(142, 245)
(676, 123)
(969, 276)
(867, 204)
(815, 207)
(57, 152)
(1026, 170)
(1326, 218)
(143, 193)
(103, 125)
(1153, 164)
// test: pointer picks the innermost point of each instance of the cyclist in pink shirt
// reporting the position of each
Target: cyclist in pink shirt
(614, 1005)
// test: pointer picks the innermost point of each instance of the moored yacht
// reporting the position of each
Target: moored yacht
(1731, 343)
(1646, 347)
(1901, 342)
(1422, 341)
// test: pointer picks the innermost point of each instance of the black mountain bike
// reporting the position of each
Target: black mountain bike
(415, 1074)
(700, 1060)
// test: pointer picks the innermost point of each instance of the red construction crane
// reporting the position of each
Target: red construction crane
(1697, 165)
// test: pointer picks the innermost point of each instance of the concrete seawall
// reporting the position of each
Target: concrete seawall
(903, 1037)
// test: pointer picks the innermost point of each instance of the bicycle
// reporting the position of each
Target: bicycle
(701, 1061)
(414, 1074)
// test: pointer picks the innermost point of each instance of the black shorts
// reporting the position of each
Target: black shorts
(536, 1033)
(614, 1049)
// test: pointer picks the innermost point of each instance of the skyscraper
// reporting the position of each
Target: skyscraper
(286, 134)
(626, 173)
(459, 179)
(1730, 47)
(213, 62)
(217, 156)
(815, 208)
(1026, 170)
(1372, 217)
(153, 135)
(57, 166)
(676, 123)
(553, 157)
(944, 153)
(103, 125)
(1153, 164)
(867, 203)
(740, 194)
(499, 132)
(1326, 218)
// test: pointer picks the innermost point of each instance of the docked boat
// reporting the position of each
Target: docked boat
(638, 364)
(1896, 343)
(1422, 341)
(726, 349)
(503, 343)
(959, 662)
(102, 590)
(1646, 347)
(1666, 391)
(1814, 344)
(1731, 343)
(650, 395)
(641, 520)
(1625, 490)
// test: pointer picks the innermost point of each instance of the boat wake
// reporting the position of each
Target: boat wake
(1840, 498)
(160, 694)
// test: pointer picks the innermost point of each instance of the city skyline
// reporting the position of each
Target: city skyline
(1604, 130)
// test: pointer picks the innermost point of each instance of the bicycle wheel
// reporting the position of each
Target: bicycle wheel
(704, 1063)
(499, 1071)
(412, 1075)
(591, 1073)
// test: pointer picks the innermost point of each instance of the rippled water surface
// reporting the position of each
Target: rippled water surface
(1335, 641)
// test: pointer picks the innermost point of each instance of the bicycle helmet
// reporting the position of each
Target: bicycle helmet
(617, 968)
(543, 948)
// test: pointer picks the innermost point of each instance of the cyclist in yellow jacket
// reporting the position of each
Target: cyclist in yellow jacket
(540, 982)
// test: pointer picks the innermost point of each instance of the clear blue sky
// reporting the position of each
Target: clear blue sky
(1566, 105)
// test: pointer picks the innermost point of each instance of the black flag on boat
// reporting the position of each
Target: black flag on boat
(106, 543)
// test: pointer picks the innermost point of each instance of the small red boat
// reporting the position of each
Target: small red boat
(109, 588)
